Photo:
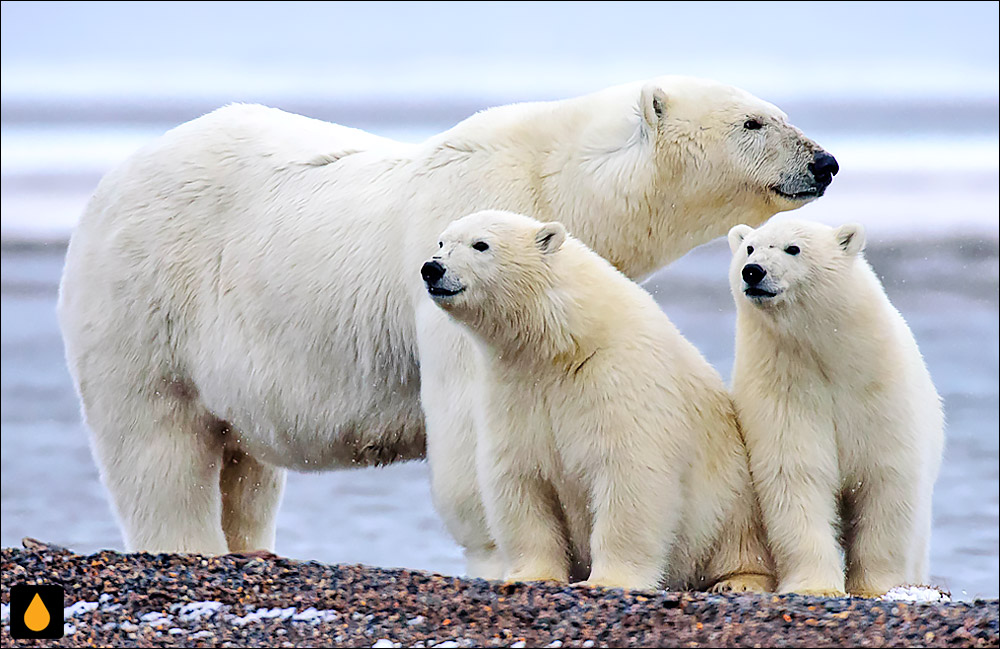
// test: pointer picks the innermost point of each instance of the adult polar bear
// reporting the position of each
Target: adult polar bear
(242, 296)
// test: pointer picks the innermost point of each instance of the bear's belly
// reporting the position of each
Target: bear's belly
(336, 447)
(318, 438)
(314, 414)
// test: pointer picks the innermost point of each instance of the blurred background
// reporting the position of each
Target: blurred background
(905, 95)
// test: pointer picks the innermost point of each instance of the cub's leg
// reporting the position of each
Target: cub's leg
(794, 468)
(739, 559)
(160, 456)
(522, 507)
(251, 494)
(448, 367)
(880, 531)
(636, 515)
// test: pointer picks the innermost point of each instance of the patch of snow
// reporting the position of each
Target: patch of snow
(79, 608)
(916, 594)
(197, 610)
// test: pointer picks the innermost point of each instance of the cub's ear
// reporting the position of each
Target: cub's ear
(653, 102)
(550, 237)
(850, 238)
(736, 236)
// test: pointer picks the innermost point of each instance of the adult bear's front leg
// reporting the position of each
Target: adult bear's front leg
(447, 377)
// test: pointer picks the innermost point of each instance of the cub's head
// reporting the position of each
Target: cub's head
(492, 267)
(733, 148)
(785, 262)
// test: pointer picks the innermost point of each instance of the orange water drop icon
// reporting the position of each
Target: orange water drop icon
(37, 616)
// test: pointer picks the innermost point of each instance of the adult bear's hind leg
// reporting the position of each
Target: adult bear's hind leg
(160, 456)
(251, 494)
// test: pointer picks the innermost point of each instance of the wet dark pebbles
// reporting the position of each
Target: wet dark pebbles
(233, 600)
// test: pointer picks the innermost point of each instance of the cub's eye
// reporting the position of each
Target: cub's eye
(792, 250)
(481, 246)
(440, 244)
(749, 250)
(752, 125)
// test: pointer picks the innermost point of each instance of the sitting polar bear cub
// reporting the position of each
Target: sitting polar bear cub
(843, 425)
(604, 433)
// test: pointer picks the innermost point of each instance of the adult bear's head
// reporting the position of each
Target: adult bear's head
(644, 172)
(724, 141)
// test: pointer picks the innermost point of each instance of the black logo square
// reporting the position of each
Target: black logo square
(36, 612)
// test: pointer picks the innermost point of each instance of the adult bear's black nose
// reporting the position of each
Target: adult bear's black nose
(432, 271)
(753, 273)
(824, 167)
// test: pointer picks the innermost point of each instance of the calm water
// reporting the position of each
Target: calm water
(947, 288)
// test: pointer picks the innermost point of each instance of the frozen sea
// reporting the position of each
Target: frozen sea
(915, 132)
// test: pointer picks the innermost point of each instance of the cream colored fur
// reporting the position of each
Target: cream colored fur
(602, 429)
(842, 422)
(242, 297)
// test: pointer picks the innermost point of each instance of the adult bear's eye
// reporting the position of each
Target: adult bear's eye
(792, 250)
(752, 125)
(481, 246)
(440, 244)
(749, 250)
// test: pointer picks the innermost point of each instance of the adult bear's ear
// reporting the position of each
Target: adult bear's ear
(550, 237)
(850, 238)
(736, 236)
(653, 101)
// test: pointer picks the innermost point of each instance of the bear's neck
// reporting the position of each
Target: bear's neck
(529, 332)
(592, 164)
(595, 169)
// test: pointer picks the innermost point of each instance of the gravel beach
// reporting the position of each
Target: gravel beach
(234, 600)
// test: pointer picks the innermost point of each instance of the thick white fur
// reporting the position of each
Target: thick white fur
(603, 431)
(242, 296)
(842, 422)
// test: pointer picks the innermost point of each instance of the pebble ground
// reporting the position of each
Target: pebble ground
(142, 600)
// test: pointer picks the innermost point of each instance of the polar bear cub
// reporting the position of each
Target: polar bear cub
(604, 434)
(842, 422)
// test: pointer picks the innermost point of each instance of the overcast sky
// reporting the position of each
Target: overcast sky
(865, 47)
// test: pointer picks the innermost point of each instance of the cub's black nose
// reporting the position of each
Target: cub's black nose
(432, 271)
(753, 273)
(824, 167)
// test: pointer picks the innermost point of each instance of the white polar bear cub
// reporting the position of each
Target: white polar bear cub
(842, 422)
(604, 433)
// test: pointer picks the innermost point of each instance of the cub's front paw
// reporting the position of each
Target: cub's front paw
(819, 591)
(536, 574)
(630, 582)
(813, 585)
(745, 583)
